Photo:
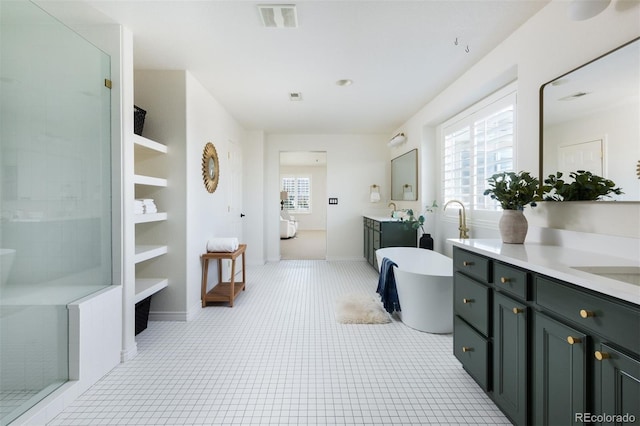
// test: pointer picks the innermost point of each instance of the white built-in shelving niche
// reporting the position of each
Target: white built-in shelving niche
(146, 180)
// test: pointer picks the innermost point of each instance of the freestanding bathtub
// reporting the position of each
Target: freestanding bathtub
(424, 279)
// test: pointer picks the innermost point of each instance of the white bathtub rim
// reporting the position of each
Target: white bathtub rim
(442, 267)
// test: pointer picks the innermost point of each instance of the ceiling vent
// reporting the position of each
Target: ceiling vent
(295, 96)
(278, 15)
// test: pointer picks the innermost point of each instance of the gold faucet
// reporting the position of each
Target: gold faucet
(462, 218)
(394, 208)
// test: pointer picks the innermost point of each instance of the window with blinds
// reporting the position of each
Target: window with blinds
(477, 144)
(298, 190)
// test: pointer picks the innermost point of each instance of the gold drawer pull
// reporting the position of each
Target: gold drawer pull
(517, 310)
(467, 300)
(586, 314)
(467, 263)
(572, 340)
(505, 280)
(601, 355)
(467, 349)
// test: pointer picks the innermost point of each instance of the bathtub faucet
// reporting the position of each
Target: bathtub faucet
(462, 218)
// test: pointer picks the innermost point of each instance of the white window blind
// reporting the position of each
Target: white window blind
(477, 144)
(298, 190)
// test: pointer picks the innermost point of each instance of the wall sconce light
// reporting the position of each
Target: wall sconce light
(397, 140)
(284, 196)
(374, 193)
(407, 193)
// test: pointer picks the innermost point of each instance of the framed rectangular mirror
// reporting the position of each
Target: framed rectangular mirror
(404, 177)
(589, 120)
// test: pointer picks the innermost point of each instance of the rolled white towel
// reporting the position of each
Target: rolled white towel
(222, 245)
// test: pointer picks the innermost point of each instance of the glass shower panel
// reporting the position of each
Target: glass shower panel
(55, 196)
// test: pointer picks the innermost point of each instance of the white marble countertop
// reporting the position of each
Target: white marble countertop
(380, 218)
(558, 262)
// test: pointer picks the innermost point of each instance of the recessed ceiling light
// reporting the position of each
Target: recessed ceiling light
(344, 82)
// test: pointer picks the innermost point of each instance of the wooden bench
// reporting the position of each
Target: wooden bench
(223, 291)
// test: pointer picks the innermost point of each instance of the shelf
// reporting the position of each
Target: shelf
(148, 180)
(146, 287)
(150, 217)
(149, 252)
(148, 143)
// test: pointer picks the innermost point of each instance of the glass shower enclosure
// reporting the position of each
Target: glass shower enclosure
(55, 196)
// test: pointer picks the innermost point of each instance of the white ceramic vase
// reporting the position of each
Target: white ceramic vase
(513, 226)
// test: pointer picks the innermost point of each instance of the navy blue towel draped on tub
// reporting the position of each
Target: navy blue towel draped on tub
(387, 286)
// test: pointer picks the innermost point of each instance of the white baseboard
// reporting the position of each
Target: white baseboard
(129, 353)
(168, 316)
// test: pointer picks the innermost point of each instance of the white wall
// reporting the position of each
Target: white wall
(254, 199)
(546, 46)
(182, 114)
(354, 163)
(208, 215)
(317, 218)
(163, 95)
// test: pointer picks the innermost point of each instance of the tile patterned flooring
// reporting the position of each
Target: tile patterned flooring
(279, 357)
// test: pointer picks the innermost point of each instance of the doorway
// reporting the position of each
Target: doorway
(303, 212)
(582, 156)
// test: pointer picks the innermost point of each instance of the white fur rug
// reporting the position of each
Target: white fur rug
(361, 309)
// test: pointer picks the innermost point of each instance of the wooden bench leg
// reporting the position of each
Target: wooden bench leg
(205, 271)
(244, 277)
(232, 290)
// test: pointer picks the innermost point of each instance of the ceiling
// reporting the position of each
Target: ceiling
(399, 54)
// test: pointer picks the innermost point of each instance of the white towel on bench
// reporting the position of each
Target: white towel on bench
(229, 245)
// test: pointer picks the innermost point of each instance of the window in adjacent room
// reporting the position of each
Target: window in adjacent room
(476, 144)
(298, 190)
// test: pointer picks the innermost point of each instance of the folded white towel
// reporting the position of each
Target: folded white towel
(375, 197)
(222, 245)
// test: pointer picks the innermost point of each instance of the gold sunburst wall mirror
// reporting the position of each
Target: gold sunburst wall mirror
(210, 167)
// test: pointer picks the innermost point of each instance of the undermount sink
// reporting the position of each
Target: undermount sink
(628, 274)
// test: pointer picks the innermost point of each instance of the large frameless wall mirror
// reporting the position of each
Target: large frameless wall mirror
(589, 120)
(404, 177)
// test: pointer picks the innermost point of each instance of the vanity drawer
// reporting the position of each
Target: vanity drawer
(614, 321)
(472, 350)
(471, 302)
(511, 280)
(375, 224)
(376, 240)
(472, 264)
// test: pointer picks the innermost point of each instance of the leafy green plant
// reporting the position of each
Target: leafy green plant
(418, 223)
(585, 187)
(513, 190)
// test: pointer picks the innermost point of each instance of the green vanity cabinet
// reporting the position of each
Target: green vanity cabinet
(380, 234)
(510, 356)
(560, 372)
(617, 391)
(471, 308)
(556, 353)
